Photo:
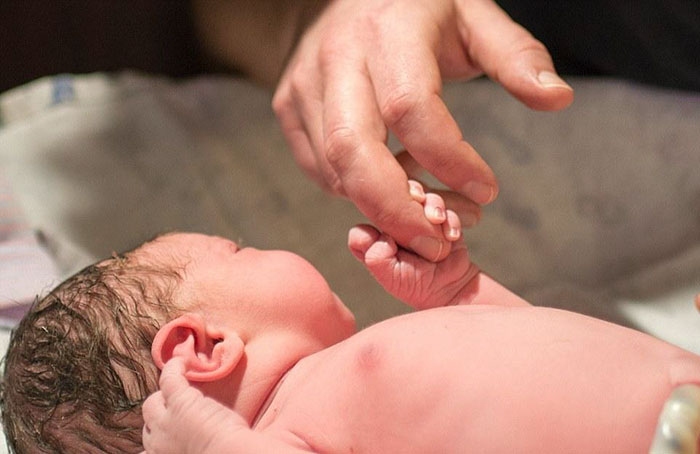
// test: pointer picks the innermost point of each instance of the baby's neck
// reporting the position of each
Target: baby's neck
(279, 391)
(266, 403)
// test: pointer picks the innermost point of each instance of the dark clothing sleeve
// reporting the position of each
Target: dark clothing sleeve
(649, 41)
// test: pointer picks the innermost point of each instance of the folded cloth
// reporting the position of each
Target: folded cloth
(26, 269)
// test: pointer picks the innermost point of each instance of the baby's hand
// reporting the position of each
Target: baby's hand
(435, 211)
(178, 419)
(418, 282)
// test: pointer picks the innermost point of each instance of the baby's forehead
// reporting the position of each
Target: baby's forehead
(159, 254)
(180, 252)
(171, 245)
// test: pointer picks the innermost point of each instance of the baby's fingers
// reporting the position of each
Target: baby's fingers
(433, 204)
(382, 251)
(452, 229)
(434, 208)
(436, 212)
(360, 238)
(172, 378)
(152, 408)
(368, 245)
(416, 190)
(469, 213)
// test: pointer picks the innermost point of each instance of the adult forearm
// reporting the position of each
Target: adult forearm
(253, 36)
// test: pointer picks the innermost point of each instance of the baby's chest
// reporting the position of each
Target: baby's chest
(368, 399)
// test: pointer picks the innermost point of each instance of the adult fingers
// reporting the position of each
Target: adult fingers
(295, 134)
(301, 101)
(510, 55)
(354, 136)
(407, 85)
(311, 113)
(469, 213)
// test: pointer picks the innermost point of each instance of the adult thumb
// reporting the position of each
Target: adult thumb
(511, 56)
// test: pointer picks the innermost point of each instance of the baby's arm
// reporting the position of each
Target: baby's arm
(179, 419)
(423, 284)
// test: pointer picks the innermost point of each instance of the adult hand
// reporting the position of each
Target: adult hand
(417, 282)
(364, 68)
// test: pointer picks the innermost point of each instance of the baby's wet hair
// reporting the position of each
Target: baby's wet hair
(79, 365)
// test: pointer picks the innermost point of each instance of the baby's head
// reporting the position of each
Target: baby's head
(85, 357)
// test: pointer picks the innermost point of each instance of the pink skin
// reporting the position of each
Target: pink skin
(267, 362)
(233, 296)
(363, 69)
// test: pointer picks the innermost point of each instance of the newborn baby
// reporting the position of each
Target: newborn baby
(260, 356)
(479, 370)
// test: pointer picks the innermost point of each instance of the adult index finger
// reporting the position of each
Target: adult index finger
(407, 84)
(354, 136)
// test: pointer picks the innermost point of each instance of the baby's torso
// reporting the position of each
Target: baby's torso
(481, 379)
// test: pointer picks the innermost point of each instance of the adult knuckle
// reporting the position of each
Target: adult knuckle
(380, 19)
(298, 82)
(529, 45)
(334, 184)
(281, 103)
(342, 142)
(331, 50)
(331, 179)
(400, 103)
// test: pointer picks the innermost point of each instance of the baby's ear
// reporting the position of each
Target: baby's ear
(209, 354)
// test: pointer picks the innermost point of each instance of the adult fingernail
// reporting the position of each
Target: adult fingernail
(427, 247)
(479, 192)
(549, 79)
